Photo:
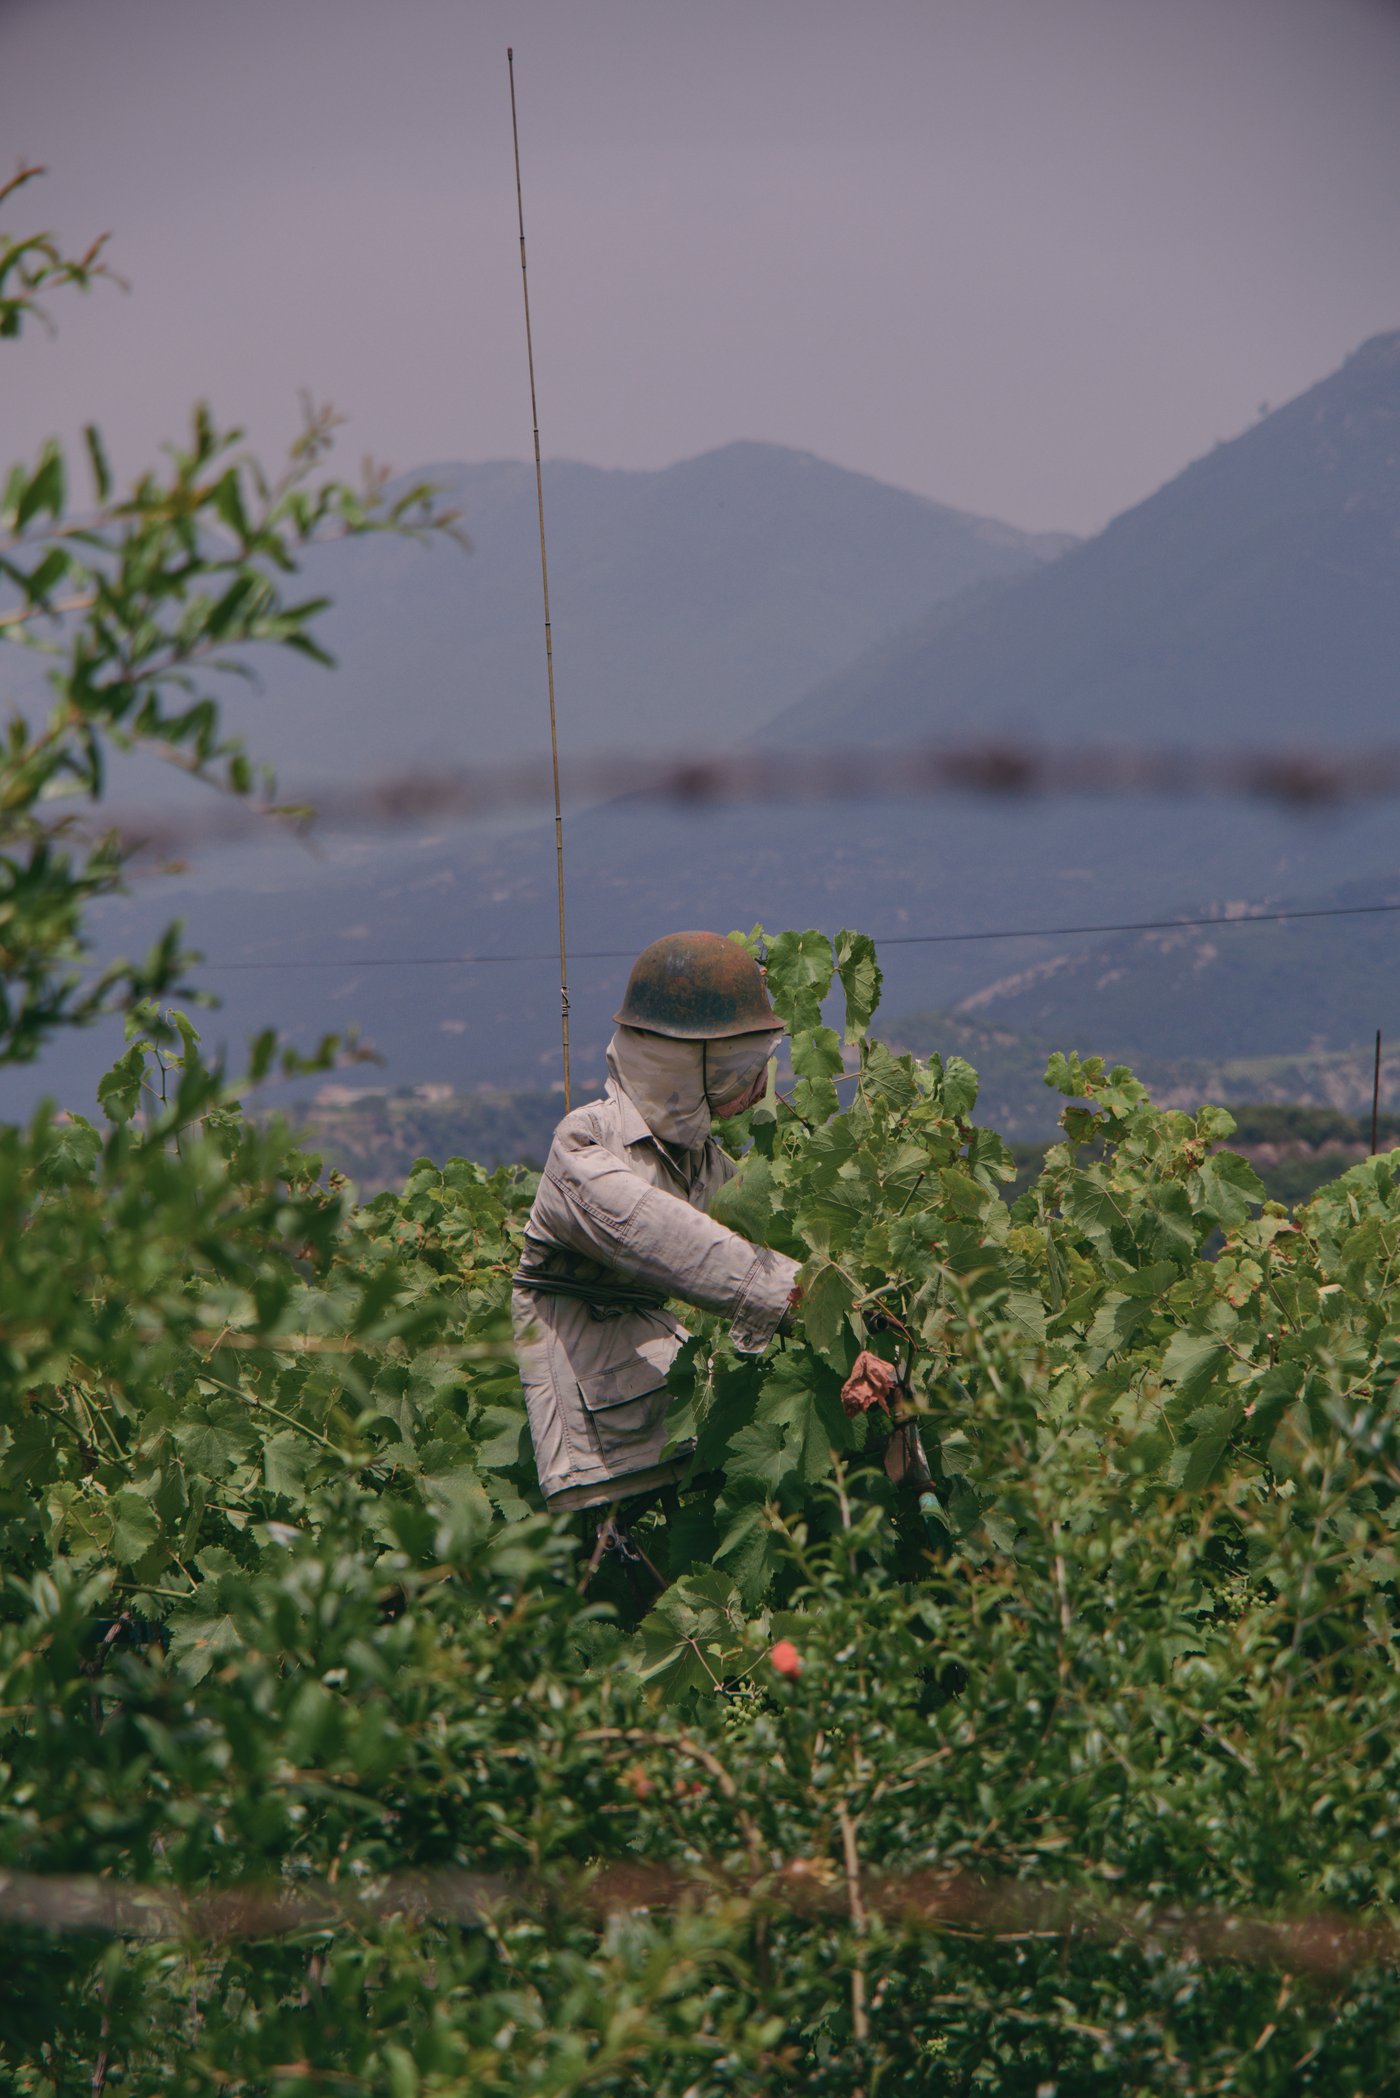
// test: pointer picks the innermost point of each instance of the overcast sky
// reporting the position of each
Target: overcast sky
(1029, 257)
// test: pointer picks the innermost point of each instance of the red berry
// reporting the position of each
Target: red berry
(786, 1659)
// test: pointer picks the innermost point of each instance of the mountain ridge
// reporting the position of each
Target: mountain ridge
(711, 592)
(1293, 527)
(1269, 567)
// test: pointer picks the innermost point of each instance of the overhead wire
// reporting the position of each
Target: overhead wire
(898, 939)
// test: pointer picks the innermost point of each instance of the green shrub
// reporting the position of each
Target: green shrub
(319, 1773)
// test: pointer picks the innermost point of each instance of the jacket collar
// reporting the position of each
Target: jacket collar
(629, 1115)
(636, 1131)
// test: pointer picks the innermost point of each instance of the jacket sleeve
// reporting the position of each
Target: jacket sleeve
(592, 1203)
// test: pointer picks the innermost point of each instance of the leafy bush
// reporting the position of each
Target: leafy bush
(318, 1771)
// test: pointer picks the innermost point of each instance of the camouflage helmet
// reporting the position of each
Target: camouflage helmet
(697, 987)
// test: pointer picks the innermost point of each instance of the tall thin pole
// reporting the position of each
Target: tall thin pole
(544, 578)
(1376, 1099)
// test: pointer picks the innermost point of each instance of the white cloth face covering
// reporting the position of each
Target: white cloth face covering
(678, 1086)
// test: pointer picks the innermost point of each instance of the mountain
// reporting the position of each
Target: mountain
(1254, 599)
(364, 931)
(1275, 554)
(1311, 985)
(687, 604)
(1228, 1010)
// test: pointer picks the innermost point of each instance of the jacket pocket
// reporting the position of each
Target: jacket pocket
(612, 1385)
(624, 1413)
(621, 1385)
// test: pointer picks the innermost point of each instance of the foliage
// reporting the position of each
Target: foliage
(373, 1136)
(1305, 1098)
(141, 606)
(36, 263)
(1146, 1657)
(282, 1623)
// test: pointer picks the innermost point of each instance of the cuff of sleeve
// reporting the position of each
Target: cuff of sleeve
(763, 1298)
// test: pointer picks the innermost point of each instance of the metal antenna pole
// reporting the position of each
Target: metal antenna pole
(544, 578)
(1376, 1099)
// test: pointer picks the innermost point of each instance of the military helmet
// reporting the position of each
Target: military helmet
(697, 987)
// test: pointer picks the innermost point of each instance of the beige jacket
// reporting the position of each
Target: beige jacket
(617, 1227)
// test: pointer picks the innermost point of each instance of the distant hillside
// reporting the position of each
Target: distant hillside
(1215, 991)
(1321, 1083)
(1256, 596)
(1294, 1150)
(1277, 552)
(359, 932)
(374, 1136)
(687, 604)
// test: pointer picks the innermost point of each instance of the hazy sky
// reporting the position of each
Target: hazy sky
(1026, 256)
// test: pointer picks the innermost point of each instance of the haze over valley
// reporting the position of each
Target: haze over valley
(760, 593)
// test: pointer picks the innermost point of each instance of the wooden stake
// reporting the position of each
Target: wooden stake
(544, 578)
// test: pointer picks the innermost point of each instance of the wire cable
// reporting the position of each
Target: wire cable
(897, 939)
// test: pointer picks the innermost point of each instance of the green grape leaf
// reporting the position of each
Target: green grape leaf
(800, 968)
(861, 980)
(816, 1053)
(287, 1458)
(826, 1299)
(1026, 1311)
(1191, 1363)
(748, 1546)
(1078, 1078)
(696, 1614)
(1172, 1232)
(211, 1437)
(119, 1090)
(1093, 1208)
(887, 1078)
(759, 1456)
(1199, 1461)
(816, 1100)
(71, 1150)
(499, 1437)
(745, 1203)
(200, 1638)
(959, 1088)
(1225, 1188)
(135, 1526)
